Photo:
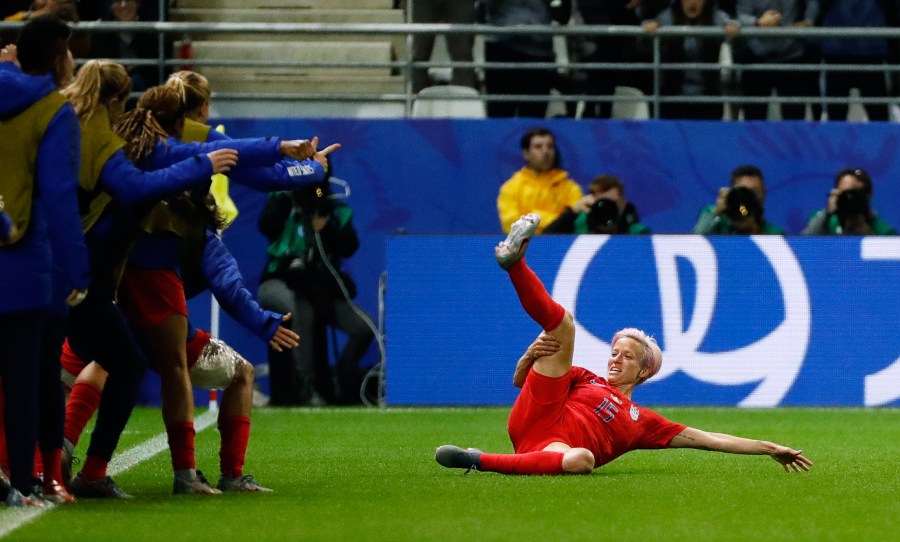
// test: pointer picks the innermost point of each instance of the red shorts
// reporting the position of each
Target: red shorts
(71, 362)
(196, 345)
(149, 296)
(536, 418)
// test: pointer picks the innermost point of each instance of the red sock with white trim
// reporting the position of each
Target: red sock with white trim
(84, 399)
(534, 296)
(530, 463)
(235, 431)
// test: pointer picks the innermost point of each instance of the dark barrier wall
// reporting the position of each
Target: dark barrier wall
(750, 321)
(442, 176)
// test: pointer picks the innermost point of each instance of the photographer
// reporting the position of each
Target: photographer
(848, 211)
(740, 209)
(309, 232)
(603, 210)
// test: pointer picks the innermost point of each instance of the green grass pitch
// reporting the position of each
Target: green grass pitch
(369, 475)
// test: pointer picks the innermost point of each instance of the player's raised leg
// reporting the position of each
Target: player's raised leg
(535, 299)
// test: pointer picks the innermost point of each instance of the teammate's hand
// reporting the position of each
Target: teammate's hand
(76, 297)
(223, 160)
(322, 156)
(9, 53)
(300, 149)
(284, 338)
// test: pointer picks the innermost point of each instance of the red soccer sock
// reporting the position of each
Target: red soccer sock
(37, 466)
(235, 431)
(534, 297)
(83, 402)
(94, 468)
(52, 464)
(181, 444)
(530, 463)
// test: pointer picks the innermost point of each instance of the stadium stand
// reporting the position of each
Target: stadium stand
(339, 52)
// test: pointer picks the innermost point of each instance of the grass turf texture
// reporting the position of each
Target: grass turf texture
(368, 475)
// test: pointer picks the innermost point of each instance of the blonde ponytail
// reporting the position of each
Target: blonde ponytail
(97, 82)
(192, 87)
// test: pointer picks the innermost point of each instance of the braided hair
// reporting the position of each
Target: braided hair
(159, 114)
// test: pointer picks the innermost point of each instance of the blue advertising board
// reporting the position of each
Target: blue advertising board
(440, 176)
(749, 321)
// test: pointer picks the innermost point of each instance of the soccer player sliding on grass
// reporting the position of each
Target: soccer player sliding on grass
(568, 420)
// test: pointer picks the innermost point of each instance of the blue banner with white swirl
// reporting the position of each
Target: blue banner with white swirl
(750, 321)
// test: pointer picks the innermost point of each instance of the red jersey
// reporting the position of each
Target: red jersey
(583, 410)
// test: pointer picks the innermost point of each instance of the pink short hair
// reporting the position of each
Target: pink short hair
(652, 358)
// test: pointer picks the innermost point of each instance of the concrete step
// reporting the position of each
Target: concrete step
(328, 16)
(286, 4)
(330, 52)
(229, 80)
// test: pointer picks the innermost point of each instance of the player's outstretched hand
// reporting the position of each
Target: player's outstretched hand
(223, 160)
(322, 156)
(300, 149)
(284, 338)
(791, 459)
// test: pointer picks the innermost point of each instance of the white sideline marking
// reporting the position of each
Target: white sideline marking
(13, 518)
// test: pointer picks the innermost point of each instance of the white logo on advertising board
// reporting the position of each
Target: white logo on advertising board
(773, 361)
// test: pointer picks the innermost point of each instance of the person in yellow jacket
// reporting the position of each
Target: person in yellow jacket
(541, 187)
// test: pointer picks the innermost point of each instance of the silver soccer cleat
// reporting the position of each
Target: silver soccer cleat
(512, 249)
(454, 457)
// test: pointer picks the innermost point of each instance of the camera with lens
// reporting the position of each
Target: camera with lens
(603, 216)
(742, 204)
(853, 210)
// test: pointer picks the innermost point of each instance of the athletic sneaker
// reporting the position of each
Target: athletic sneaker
(512, 249)
(56, 493)
(241, 484)
(15, 499)
(194, 483)
(454, 457)
(104, 488)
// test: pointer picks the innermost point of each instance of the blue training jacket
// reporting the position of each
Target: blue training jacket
(40, 270)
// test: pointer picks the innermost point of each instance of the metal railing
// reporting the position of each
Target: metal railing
(404, 64)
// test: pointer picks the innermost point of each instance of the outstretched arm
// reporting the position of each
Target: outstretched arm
(720, 442)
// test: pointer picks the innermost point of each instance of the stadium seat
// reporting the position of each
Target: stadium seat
(448, 101)
(630, 103)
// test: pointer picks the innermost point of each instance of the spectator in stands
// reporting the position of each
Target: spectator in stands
(793, 83)
(64, 9)
(459, 46)
(310, 231)
(541, 186)
(608, 49)
(130, 45)
(691, 82)
(520, 48)
(94, 10)
(848, 211)
(739, 210)
(864, 52)
(603, 210)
